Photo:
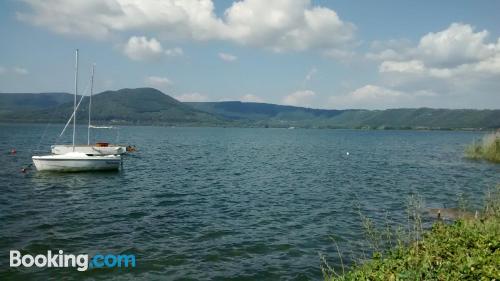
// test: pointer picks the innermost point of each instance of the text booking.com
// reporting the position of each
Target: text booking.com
(82, 262)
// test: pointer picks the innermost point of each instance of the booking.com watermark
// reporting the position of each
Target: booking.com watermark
(82, 262)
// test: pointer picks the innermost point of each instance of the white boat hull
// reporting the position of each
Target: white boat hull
(60, 149)
(77, 162)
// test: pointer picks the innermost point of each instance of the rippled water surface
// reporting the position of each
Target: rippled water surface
(225, 203)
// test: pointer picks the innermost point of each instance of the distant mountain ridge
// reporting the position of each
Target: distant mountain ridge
(30, 101)
(126, 106)
(405, 118)
(148, 106)
(254, 110)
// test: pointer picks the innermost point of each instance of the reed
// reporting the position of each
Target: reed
(467, 249)
(488, 148)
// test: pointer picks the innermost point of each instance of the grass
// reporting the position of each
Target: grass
(488, 148)
(467, 249)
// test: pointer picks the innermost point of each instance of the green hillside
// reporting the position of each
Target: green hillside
(421, 118)
(273, 115)
(148, 106)
(27, 101)
(126, 106)
(256, 111)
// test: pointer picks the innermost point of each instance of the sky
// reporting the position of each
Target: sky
(320, 54)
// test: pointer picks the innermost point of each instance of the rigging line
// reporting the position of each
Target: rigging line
(37, 147)
(72, 115)
(56, 110)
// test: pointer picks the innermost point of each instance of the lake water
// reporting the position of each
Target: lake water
(226, 203)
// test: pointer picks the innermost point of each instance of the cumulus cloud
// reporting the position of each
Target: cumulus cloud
(142, 48)
(457, 45)
(192, 97)
(456, 49)
(300, 98)
(457, 60)
(412, 66)
(276, 25)
(285, 25)
(174, 52)
(157, 82)
(227, 57)
(377, 97)
(459, 64)
(251, 98)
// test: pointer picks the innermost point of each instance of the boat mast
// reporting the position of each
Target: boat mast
(74, 101)
(90, 101)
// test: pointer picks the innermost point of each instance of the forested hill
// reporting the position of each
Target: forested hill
(273, 115)
(148, 106)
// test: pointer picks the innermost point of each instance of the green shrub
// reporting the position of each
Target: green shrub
(488, 148)
(467, 249)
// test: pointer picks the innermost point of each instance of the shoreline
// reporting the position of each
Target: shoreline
(187, 125)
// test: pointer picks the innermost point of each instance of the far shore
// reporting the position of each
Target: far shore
(230, 125)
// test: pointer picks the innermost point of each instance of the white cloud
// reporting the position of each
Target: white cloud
(157, 82)
(388, 54)
(140, 48)
(459, 64)
(388, 50)
(227, 57)
(251, 98)
(14, 70)
(456, 48)
(276, 25)
(377, 97)
(371, 92)
(310, 74)
(300, 98)
(191, 97)
(174, 52)
(458, 58)
(413, 66)
(285, 25)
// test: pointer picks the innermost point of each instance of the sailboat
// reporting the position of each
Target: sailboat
(76, 161)
(100, 148)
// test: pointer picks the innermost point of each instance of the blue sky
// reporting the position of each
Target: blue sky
(324, 54)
